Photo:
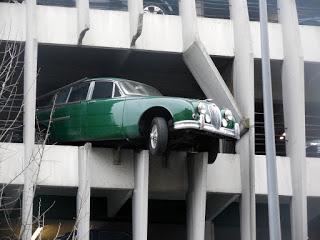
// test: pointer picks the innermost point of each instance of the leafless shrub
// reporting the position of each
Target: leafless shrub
(11, 130)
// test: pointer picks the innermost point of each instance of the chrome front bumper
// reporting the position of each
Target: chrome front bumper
(200, 125)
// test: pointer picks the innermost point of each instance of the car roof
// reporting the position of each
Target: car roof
(90, 79)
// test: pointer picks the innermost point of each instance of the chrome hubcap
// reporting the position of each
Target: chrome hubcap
(153, 9)
(154, 136)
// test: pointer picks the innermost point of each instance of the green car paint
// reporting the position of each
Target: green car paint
(115, 118)
(179, 109)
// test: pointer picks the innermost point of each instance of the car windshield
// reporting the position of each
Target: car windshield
(134, 88)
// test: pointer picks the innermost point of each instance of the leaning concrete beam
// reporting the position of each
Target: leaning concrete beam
(294, 114)
(135, 8)
(84, 193)
(83, 19)
(208, 77)
(116, 199)
(217, 203)
(199, 62)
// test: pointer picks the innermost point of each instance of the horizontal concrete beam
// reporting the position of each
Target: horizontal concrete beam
(59, 168)
(58, 25)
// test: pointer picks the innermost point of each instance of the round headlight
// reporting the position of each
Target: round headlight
(202, 108)
(228, 115)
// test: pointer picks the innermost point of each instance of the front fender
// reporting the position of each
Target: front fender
(135, 107)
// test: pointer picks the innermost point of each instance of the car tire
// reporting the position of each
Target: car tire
(158, 136)
(155, 8)
(213, 150)
(212, 156)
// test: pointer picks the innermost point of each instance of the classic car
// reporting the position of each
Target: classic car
(122, 113)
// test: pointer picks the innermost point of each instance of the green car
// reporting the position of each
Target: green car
(121, 113)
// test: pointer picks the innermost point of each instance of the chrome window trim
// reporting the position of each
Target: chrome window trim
(113, 87)
(90, 90)
(68, 95)
(66, 101)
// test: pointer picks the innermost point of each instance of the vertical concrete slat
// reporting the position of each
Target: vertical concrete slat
(135, 8)
(82, 18)
(84, 193)
(30, 82)
(294, 114)
(243, 87)
(196, 196)
(140, 196)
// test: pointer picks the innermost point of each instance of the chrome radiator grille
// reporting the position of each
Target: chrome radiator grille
(215, 115)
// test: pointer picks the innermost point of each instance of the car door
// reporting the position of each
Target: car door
(60, 116)
(74, 111)
(104, 112)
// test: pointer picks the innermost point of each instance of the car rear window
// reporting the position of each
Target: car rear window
(116, 91)
(45, 100)
(62, 96)
(102, 90)
(79, 93)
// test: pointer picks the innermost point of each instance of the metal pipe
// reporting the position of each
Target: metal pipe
(273, 198)
(30, 75)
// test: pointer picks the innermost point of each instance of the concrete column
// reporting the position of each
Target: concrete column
(294, 114)
(196, 196)
(243, 88)
(83, 18)
(30, 82)
(140, 196)
(83, 195)
(135, 8)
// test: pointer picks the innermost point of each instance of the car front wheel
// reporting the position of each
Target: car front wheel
(158, 136)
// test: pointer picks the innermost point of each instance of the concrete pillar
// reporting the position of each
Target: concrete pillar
(30, 82)
(83, 18)
(135, 8)
(196, 196)
(83, 195)
(243, 88)
(294, 114)
(140, 196)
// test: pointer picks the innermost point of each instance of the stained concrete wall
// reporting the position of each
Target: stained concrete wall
(58, 25)
(59, 167)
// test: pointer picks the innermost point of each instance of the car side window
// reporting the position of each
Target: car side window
(45, 101)
(62, 96)
(79, 93)
(102, 90)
